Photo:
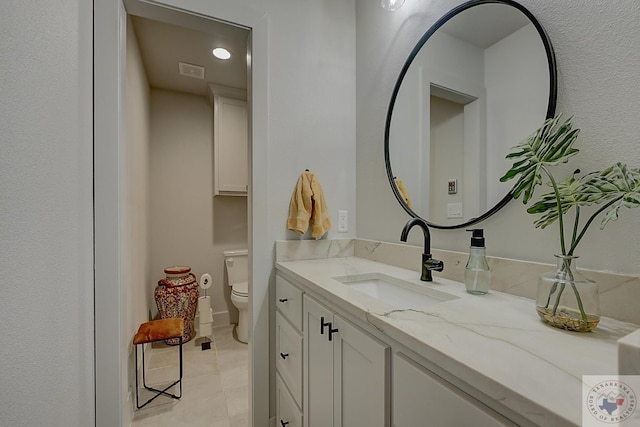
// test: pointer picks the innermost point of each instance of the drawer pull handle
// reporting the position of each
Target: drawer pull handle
(284, 423)
(323, 324)
(283, 300)
(284, 355)
(332, 331)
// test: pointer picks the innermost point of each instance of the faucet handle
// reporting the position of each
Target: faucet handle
(429, 264)
(434, 264)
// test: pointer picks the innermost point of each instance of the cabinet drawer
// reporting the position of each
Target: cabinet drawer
(287, 413)
(289, 356)
(289, 301)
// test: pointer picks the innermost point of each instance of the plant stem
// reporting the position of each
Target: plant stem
(575, 229)
(559, 206)
(555, 305)
(566, 266)
(575, 242)
(577, 294)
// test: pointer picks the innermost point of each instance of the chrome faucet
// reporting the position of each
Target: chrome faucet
(428, 263)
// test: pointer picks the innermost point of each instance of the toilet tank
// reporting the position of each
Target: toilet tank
(237, 263)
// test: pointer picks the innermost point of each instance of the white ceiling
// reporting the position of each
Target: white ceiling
(164, 45)
(486, 24)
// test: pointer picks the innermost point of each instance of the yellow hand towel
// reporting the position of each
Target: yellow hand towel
(403, 191)
(308, 206)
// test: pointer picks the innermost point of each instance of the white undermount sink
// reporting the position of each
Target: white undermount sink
(396, 292)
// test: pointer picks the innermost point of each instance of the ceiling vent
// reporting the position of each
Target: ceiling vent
(191, 70)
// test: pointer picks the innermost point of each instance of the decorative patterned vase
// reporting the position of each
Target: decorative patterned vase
(177, 296)
(566, 299)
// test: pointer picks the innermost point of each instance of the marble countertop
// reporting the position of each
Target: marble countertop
(495, 343)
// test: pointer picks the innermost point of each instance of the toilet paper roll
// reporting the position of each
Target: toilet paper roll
(205, 281)
(204, 310)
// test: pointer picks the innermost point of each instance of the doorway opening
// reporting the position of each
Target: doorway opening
(112, 297)
(173, 86)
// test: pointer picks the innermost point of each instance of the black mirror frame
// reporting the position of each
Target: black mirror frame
(551, 60)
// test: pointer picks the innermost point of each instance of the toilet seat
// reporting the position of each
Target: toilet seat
(240, 289)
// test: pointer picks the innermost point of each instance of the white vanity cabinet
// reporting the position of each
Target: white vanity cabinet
(230, 146)
(288, 354)
(421, 398)
(346, 372)
(334, 371)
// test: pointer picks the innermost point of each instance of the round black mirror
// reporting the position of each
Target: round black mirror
(479, 81)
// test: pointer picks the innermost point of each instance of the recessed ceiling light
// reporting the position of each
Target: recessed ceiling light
(392, 4)
(221, 53)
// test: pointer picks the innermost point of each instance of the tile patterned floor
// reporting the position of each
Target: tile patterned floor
(214, 386)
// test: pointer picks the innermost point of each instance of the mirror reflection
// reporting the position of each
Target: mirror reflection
(479, 81)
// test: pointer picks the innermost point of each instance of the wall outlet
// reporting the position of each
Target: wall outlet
(343, 221)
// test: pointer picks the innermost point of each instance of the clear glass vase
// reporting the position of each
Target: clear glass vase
(566, 299)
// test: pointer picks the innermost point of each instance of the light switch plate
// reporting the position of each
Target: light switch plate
(454, 210)
(343, 221)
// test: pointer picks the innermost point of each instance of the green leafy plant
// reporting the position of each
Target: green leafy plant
(615, 187)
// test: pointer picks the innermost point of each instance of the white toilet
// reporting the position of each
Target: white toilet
(237, 263)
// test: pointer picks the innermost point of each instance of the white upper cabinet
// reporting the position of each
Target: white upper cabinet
(230, 142)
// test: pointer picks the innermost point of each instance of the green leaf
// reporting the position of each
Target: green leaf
(617, 182)
(549, 145)
(569, 194)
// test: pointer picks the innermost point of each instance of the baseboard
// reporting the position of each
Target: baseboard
(221, 318)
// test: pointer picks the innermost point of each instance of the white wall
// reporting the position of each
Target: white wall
(188, 225)
(597, 82)
(447, 150)
(461, 70)
(516, 106)
(135, 254)
(46, 236)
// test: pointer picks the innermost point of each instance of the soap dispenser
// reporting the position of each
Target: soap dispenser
(477, 276)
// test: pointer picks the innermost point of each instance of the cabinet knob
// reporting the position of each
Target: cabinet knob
(284, 423)
(283, 300)
(284, 355)
(332, 331)
(323, 324)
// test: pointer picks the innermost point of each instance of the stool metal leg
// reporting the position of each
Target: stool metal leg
(180, 365)
(158, 392)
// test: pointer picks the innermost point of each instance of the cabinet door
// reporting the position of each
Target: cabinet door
(361, 378)
(318, 365)
(420, 398)
(230, 141)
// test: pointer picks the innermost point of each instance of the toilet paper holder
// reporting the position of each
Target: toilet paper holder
(204, 315)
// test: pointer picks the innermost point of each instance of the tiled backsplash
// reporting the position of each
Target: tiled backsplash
(619, 294)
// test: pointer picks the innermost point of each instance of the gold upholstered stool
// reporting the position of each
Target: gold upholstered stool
(152, 331)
